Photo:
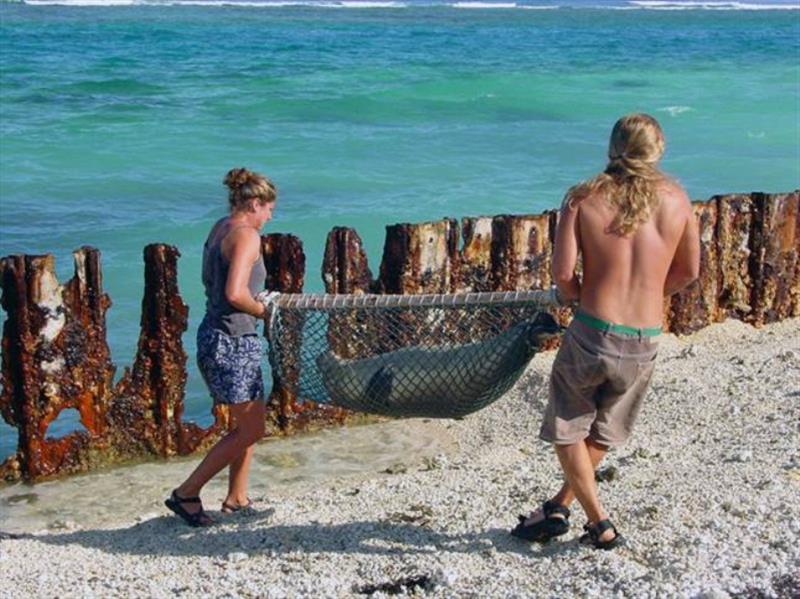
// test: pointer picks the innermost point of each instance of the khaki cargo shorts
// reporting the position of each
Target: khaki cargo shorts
(597, 385)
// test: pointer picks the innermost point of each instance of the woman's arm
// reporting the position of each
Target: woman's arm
(243, 249)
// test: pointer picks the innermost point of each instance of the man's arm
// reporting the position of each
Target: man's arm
(565, 251)
(685, 267)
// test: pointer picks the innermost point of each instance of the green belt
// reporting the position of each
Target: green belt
(599, 323)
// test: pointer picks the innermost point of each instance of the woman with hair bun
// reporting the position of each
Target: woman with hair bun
(229, 348)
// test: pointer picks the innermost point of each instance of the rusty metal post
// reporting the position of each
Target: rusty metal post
(345, 270)
(476, 255)
(344, 266)
(55, 357)
(734, 226)
(147, 413)
(522, 250)
(286, 266)
(420, 258)
(775, 257)
(522, 257)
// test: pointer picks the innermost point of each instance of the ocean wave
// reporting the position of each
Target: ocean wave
(224, 3)
(483, 5)
(675, 110)
(462, 4)
(708, 5)
(80, 2)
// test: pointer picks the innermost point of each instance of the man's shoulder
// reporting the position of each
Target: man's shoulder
(672, 196)
(669, 188)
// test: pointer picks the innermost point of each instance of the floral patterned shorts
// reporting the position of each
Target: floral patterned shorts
(231, 366)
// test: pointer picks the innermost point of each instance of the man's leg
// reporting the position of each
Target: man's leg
(576, 462)
(597, 452)
(565, 495)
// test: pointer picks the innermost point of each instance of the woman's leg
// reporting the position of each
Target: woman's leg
(250, 428)
(238, 473)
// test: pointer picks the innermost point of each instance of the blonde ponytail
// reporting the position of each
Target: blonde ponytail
(631, 177)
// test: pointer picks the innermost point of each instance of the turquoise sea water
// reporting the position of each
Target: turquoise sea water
(117, 123)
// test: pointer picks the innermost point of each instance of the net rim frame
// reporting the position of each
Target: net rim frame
(328, 301)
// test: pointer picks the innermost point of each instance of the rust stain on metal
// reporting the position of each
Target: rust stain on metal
(734, 225)
(420, 258)
(147, 415)
(774, 258)
(344, 265)
(55, 357)
(476, 255)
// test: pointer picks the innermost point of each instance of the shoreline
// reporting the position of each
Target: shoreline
(707, 493)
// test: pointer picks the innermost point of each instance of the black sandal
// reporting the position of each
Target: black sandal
(229, 508)
(551, 526)
(593, 532)
(197, 519)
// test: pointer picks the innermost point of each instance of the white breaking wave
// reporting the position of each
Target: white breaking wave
(708, 5)
(675, 110)
(465, 4)
(222, 3)
(80, 2)
(484, 5)
(501, 5)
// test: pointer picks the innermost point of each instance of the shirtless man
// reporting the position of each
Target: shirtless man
(637, 235)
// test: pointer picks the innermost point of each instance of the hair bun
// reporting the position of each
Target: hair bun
(237, 177)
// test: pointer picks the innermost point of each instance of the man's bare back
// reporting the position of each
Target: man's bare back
(624, 278)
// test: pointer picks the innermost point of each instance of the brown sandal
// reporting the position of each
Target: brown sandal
(229, 508)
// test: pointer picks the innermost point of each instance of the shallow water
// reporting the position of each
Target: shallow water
(125, 493)
(119, 122)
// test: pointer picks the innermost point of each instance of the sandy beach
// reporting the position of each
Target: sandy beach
(707, 493)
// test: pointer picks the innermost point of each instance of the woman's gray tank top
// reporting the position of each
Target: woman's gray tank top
(220, 314)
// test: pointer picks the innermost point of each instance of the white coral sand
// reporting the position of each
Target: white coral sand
(707, 493)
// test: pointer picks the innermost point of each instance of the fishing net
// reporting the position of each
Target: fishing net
(438, 356)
